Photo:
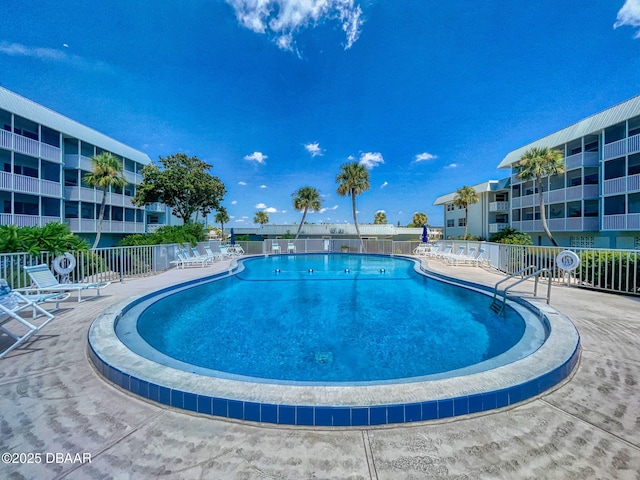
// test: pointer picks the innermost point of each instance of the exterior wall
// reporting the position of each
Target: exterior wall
(42, 168)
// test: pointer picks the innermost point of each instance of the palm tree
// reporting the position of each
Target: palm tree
(380, 218)
(465, 196)
(353, 180)
(305, 199)
(535, 164)
(107, 173)
(261, 217)
(419, 219)
(222, 217)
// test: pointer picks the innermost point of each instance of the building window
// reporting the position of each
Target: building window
(634, 164)
(450, 207)
(87, 150)
(129, 215)
(614, 133)
(528, 188)
(50, 136)
(129, 190)
(502, 218)
(502, 197)
(591, 176)
(71, 178)
(117, 214)
(591, 208)
(614, 168)
(574, 209)
(515, 214)
(50, 207)
(515, 191)
(556, 210)
(70, 209)
(5, 202)
(574, 178)
(633, 203)
(50, 171)
(462, 222)
(139, 216)
(634, 126)
(24, 165)
(87, 211)
(556, 182)
(581, 242)
(614, 205)
(25, 204)
(107, 212)
(450, 222)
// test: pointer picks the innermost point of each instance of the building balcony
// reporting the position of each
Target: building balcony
(630, 221)
(621, 147)
(77, 162)
(28, 146)
(29, 185)
(95, 196)
(90, 225)
(153, 227)
(499, 206)
(155, 207)
(573, 224)
(584, 159)
(26, 220)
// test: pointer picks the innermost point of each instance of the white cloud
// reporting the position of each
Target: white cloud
(371, 159)
(242, 183)
(263, 186)
(281, 20)
(260, 205)
(322, 210)
(452, 165)
(381, 211)
(384, 184)
(314, 149)
(629, 15)
(257, 157)
(240, 220)
(270, 210)
(425, 156)
(233, 202)
(53, 55)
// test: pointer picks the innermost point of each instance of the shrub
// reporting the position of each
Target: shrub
(611, 270)
(511, 236)
(191, 233)
(55, 238)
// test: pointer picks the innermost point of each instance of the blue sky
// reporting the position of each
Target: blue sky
(277, 94)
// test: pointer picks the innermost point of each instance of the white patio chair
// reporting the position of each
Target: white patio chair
(460, 257)
(43, 280)
(291, 247)
(422, 250)
(11, 303)
(275, 247)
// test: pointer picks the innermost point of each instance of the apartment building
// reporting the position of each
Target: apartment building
(488, 216)
(44, 157)
(594, 203)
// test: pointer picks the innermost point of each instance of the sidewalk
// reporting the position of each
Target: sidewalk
(52, 401)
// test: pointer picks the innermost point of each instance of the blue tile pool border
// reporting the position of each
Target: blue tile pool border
(333, 416)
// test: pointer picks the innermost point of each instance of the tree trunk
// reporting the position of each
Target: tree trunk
(100, 218)
(355, 220)
(466, 221)
(301, 222)
(543, 215)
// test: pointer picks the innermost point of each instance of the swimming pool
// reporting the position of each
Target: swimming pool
(326, 319)
(316, 382)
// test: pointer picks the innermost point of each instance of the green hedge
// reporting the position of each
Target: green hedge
(609, 269)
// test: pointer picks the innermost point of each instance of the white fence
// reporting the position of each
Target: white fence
(602, 269)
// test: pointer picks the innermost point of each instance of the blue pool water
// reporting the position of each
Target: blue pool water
(328, 318)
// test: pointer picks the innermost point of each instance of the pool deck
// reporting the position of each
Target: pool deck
(53, 402)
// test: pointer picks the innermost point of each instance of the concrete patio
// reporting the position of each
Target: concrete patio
(53, 402)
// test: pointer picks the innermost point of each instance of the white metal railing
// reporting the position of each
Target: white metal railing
(6, 180)
(155, 207)
(633, 183)
(633, 144)
(26, 145)
(498, 206)
(5, 139)
(614, 222)
(49, 152)
(497, 227)
(615, 185)
(614, 149)
(74, 160)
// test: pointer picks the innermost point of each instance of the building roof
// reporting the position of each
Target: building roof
(590, 125)
(488, 186)
(35, 112)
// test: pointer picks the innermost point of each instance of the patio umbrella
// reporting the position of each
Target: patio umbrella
(425, 234)
(233, 238)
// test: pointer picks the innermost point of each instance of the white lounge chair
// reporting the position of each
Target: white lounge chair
(43, 280)
(422, 250)
(11, 303)
(291, 247)
(184, 260)
(459, 257)
(237, 249)
(214, 255)
(447, 256)
(275, 247)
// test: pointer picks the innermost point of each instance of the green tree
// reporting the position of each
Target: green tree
(511, 236)
(419, 219)
(464, 197)
(380, 218)
(304, 199)
(182, 183)
(261, 218)
(107, 173)
(222, 217)
(55, 238)
(534, 164)
(353, 180)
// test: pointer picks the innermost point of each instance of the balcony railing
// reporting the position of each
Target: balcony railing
(615, 185)
(155, 207)
(26, 220)
(28, 146)
(30, 185)
(90, 225)
(630, 221)
(497, 227)
(75, 161)
(621, 147)
(498, 206)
